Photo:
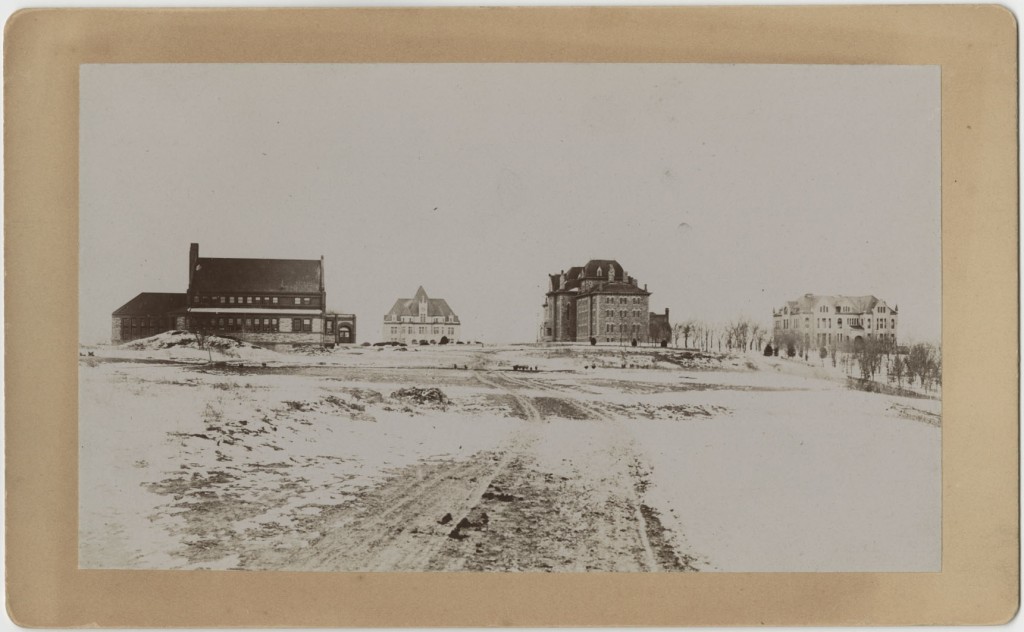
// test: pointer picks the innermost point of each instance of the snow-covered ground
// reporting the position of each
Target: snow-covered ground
(444, 458)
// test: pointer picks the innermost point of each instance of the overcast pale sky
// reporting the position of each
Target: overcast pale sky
(727, 189)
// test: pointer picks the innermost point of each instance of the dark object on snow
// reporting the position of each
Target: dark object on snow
(429, 396)
(593, 341)
(444, 340)
(664, 344)
(446, 519)
(768, 350)
(633, 342)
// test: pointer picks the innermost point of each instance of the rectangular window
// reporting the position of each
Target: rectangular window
(298, 301)
(258, 299)
(275, 300)
(231, 300)
(307, 325)
(223, 300)
(248, 300)
(296, 324)
(248, 322)
(305, 301)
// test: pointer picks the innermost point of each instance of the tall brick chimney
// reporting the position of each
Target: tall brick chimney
(193, 256)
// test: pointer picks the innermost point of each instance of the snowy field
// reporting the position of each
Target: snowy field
(445, 458)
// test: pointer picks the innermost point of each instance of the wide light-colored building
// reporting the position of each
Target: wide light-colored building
(421, 318)
(813, 321)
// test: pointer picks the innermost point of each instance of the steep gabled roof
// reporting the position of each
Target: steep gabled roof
(152, 303)
(411, 306)
(213, 274)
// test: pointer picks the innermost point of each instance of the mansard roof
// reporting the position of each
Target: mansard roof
(148, 303)
(598, 268)
(614, 288)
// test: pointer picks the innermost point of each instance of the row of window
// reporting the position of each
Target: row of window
(423, 330)
(840, 309)
(433, 319)
(147, 321)
(610, 329)
(824, 339)
(623, 300)
(271, 325)
(826, 323)
(250, 300)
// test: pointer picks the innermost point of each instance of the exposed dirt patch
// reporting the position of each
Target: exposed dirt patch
(504, 405)
(661, 544)
(557, 407)
(870, 386)
(540, 521)
(430, 397)
(674, 412)
(916, 414)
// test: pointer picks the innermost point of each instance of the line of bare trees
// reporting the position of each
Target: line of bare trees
(868, 358)
(741, 334)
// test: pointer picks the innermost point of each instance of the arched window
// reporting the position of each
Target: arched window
(840, 321)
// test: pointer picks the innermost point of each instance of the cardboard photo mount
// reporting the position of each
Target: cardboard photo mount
(975, 46)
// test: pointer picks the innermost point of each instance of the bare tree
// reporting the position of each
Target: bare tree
(921, 363)
(869, 357)
(684, 329)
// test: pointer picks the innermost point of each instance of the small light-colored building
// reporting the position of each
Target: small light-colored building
(813, 321)
(421, 318)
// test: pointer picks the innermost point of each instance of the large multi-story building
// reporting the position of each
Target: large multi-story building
(421, 318)
(813, 321)
(597, 301)
(268, 302)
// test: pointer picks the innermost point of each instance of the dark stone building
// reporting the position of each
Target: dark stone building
(599, 301)
(660, 328)
(267, 302)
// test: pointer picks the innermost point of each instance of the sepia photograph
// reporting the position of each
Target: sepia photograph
(512, 317)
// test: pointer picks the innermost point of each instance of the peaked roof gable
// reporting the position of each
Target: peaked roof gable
(411, 306)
